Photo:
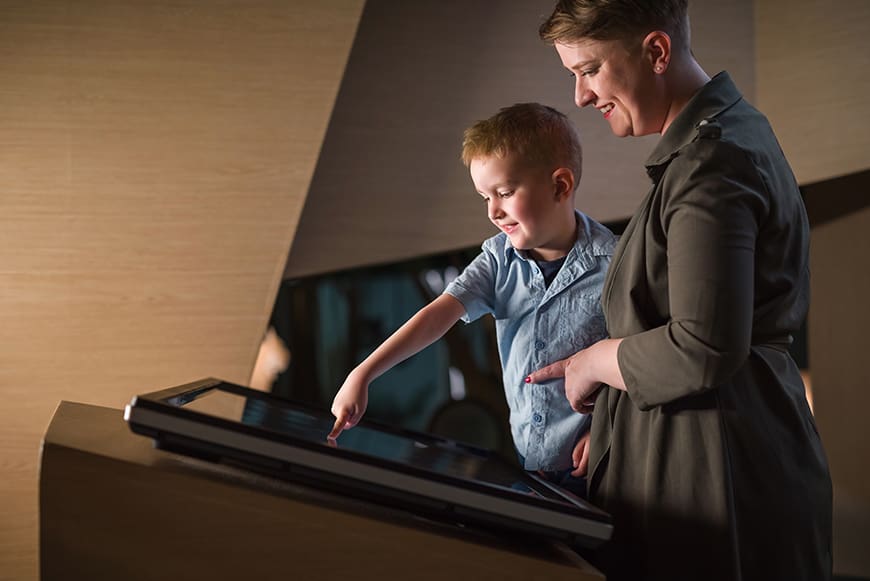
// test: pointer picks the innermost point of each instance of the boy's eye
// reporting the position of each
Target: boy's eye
(505, 194)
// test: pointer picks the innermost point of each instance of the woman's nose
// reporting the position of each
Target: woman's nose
(582, 95)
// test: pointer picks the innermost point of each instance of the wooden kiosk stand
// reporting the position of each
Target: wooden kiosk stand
(113, 507)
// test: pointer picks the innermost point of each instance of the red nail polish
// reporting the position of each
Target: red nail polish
(528, 379)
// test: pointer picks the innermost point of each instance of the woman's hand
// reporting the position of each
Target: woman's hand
(580, 385)
(584, 372)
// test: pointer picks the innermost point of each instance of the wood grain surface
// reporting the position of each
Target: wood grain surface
(112, 508)
(154, 160)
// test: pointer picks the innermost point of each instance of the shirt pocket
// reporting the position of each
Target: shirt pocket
(581, 322)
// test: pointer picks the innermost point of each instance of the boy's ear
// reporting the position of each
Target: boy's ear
(563, 180)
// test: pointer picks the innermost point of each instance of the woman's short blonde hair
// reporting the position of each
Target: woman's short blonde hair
(625, 20)
(538, 135)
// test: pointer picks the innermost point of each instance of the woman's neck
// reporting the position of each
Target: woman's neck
(685, 79)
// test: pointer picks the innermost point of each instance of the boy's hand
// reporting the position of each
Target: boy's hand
(349, 404)
(581, 456)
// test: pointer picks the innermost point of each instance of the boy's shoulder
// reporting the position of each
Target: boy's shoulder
(594, 238)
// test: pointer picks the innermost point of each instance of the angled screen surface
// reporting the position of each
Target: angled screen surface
(369, 460)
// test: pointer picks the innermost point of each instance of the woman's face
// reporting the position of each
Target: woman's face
(620, 84)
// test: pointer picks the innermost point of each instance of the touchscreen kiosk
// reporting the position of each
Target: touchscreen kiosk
(426, 474)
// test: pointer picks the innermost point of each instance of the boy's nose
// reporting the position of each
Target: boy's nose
(495, 212)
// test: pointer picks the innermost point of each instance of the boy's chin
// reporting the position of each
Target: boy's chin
(520, 244)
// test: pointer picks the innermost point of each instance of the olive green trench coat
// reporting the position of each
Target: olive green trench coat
(710, 463)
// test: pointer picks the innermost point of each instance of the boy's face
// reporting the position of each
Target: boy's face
(527, 204)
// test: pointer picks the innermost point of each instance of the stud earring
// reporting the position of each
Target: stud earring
(658, 68)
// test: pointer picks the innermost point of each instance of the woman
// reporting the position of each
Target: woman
(703, 448)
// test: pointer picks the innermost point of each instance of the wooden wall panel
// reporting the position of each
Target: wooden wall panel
(813, 59)
(812, 64)
(838, 323)
(154, 159)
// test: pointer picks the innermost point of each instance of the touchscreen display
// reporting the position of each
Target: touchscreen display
(428, 453)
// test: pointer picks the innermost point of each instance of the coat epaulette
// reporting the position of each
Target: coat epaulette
(709, 128)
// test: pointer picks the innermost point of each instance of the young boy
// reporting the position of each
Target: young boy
(540, 277)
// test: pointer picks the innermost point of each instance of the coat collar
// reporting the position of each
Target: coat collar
(718, 95)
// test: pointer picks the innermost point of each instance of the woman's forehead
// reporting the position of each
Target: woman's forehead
(579, 52)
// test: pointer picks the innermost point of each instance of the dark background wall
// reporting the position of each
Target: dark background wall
(389, 184)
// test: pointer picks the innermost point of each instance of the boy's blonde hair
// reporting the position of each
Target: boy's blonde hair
(539, 135)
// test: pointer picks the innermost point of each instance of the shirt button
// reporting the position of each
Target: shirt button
(539, 344)
(536, 418)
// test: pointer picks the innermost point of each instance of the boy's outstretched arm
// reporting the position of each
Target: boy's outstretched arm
(424, 328)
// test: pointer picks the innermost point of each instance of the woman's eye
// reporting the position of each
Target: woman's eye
(588, 72)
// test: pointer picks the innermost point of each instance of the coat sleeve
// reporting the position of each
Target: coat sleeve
(713, 202)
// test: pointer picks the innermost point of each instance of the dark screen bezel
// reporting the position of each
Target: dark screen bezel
(161, 400)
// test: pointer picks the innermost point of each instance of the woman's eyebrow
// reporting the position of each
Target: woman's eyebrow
(586, 63)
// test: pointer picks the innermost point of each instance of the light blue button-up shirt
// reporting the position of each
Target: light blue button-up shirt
(535, 326)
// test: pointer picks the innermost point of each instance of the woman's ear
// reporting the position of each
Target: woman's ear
(563, 180)
(657, 50)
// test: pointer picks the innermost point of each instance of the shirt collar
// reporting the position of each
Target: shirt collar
(716, 96)
(585, 246)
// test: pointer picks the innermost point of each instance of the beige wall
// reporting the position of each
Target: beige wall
(838, 326)
(154, 159)
(813, 59)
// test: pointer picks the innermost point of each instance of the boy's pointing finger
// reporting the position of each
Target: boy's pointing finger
(547, 373)
(340, 420)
